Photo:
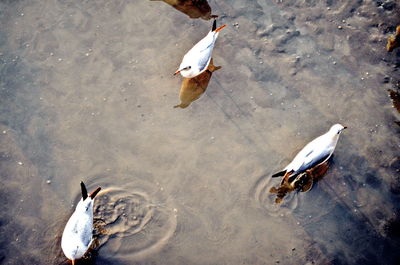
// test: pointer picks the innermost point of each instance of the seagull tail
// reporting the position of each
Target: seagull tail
(279, 174)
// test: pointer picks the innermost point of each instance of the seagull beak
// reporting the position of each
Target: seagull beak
(177, 72)
(345, 127)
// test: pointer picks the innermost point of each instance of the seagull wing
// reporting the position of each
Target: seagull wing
(204, 59)
(86, 234)
(206, 42)
(203, 50)
(311, 155)
(314, 158)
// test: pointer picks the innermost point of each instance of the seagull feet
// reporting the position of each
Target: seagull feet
(303, 182)
(281, 191)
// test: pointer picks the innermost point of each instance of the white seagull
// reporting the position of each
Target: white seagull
(198, 58)
(316, 152)
(77, 235)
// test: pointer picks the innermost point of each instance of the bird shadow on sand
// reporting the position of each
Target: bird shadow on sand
(193, 88)
(303, 183)
(192, 8)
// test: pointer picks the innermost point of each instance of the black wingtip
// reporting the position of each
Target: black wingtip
(214, 26)
(84, 191)
(279, 174)
(94, 193)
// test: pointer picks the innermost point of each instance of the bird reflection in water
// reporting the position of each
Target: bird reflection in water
(192, 8)
(193, 88)
(394, 41)
(303, 182)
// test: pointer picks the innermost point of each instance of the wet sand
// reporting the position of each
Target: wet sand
(87, 93)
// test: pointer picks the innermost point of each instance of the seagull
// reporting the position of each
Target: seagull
(316, 152)
(198, 58)
(77, 235)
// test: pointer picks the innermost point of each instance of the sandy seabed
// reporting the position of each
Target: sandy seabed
(87, 93)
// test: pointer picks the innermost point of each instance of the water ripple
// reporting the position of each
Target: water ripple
(130, 225)
(266, 200)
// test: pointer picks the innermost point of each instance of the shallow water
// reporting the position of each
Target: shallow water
(87, 93)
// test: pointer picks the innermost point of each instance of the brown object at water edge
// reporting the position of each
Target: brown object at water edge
(193, 88)
(394, 41)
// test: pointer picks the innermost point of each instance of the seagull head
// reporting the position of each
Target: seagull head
(186, 71)
(337, 129)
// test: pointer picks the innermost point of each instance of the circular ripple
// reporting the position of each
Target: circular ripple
(130, 225)
(266, 199)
